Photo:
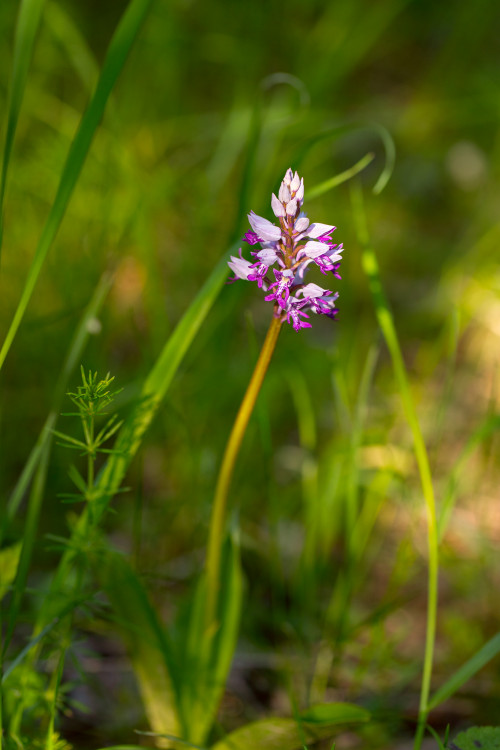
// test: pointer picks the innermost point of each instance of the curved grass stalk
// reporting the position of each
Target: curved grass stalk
(386, 322)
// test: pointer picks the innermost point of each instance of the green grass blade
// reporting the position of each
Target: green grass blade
(337, 132)
(338, 179)
(146, 641)
(386, 323)
(28, 20)
(466, 671)
(119, 47)
(208, 655)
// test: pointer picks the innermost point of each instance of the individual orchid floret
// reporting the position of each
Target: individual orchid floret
(265, 258)
(330, 261)
(290, 249)
(264, 229)
(242, 268)
(281, 286)
(294, 314)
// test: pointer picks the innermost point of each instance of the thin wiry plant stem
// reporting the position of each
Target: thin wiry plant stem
(217, 523)
(386, 322)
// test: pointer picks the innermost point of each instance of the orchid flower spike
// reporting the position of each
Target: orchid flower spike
(292, 246)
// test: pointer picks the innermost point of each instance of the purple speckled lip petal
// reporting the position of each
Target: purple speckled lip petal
(250, 238)
(294, 247)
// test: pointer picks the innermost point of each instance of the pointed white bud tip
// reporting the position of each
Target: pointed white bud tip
(300, 192)
(295, 182)
(291, 208)
(301, 224)
(277, 207)
(284, 193)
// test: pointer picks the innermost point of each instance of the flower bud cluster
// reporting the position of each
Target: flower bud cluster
(289, 249)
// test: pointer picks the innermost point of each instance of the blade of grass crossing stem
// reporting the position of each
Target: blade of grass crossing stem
(118, 50)
(72, 359)
(208, 655)
(146, 641)
(28, 20)
(386, 323)
(466, 671)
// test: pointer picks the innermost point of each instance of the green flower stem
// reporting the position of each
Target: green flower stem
(217, 522)
(386, 322)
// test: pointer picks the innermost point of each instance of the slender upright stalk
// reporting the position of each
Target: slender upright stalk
(386, 322)
(217, 522)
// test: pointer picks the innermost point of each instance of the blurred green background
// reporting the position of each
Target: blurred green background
(180, 157)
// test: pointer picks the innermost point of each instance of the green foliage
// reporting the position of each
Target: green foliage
(485, 738)
(319, 722)
(118, 50)
(9, 560)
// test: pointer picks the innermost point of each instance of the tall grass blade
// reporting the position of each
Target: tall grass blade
(386, 323)
(119, 47)
(466, 671)
(150, 652)
(208, 655)
(28, 20)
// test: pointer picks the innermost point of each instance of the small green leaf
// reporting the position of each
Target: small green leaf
(9, 560)
(318, 722)
(334, 713)
(477, 738)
